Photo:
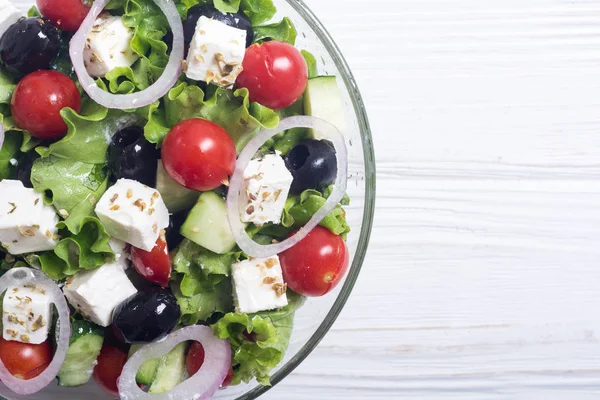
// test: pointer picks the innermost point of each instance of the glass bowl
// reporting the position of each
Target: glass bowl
(315, 318)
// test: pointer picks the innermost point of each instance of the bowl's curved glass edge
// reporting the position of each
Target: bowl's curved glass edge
(369, 207)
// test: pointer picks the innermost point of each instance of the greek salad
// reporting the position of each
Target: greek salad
(172, 183)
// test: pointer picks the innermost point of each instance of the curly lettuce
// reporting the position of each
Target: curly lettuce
(149, 26)
(201, 282)
(258, 341)
(232, 110)
(284, 31)
(257, 11)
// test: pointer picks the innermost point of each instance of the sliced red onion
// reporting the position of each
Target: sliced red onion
(133, 100)
(201, 386)
(23, 276)
(1, 135)
(333, 134)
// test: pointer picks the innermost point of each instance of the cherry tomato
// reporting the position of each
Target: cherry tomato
(316, 264)
(198, 154)
(38, 99)
(195, 359)
(25, 360)
(64, 14)
(108, 370)
(275, 73)
(153, 265)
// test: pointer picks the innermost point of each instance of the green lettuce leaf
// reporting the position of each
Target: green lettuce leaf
(7, 86)
(271, 332)
(311, 62)
(258, 11)
(149, 26)
(227, 6)
(87, 249)
(9, 150)
(73, 187)
(284, 31)
(201, 282)
(232, 110)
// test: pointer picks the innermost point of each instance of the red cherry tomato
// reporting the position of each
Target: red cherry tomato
(198, 154)
(38, 99)
(64, 14)
(275, 73)
(316, 264)
(25, 360)
(108, 370)
(195, 359)
(153, 265)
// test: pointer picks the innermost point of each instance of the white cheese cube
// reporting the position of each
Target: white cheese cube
(120, 249)
(216, 53)
(134, 213)
(26, 314)
(9, 14)
(96, 293)
(258, 285)
(266, 187)
(108, 46)
(26, 224)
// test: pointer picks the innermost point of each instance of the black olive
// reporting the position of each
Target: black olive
(25, 163)
(237, 20)
(131, 156)
(146, 316)
(313, 165)
(173, 235)
(30, 44)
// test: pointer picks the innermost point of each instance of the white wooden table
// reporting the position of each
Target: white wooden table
(483, 275)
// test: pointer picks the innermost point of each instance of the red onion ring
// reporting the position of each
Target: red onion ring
(23, 276)
(333, 134)
(133, 100)
(202, 385)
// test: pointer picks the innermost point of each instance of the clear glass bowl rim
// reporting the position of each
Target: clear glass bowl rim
(369, 205)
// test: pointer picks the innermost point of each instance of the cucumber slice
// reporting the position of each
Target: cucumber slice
(147, 371)
(84, 348)
(322, 100)
(207, 224)
(171, 370)
(176, 197)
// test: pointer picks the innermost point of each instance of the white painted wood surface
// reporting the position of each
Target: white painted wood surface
(483, 276)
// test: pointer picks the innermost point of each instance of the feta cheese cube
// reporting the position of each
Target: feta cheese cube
(266, 187)
(108, 46)
(27, 224)
(216, 53)
(134, 213)
(26, 314)
(96, 293)
(8, 15)
(258, 285)
(120, 249)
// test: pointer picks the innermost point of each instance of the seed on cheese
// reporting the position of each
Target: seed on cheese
(258, 285)
(266, 187)
(126, 216)
(26, 314)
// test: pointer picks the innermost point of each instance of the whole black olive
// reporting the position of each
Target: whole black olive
(25, 163)
(131, 156)
(29, 45)
(313, 165)
(173, 235)
(237, 20)
(146, 316)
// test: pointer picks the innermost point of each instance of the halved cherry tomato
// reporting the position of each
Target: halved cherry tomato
(38, 99)
(195, 359)
(198, 154)
(316, 264)
(25, 360)
(64, 14)
(153, 265)
(275, 73)
(108, 370)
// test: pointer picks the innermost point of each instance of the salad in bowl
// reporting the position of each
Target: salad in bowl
(173, 180)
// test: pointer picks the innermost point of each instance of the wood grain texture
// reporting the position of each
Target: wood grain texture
(483, 276)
